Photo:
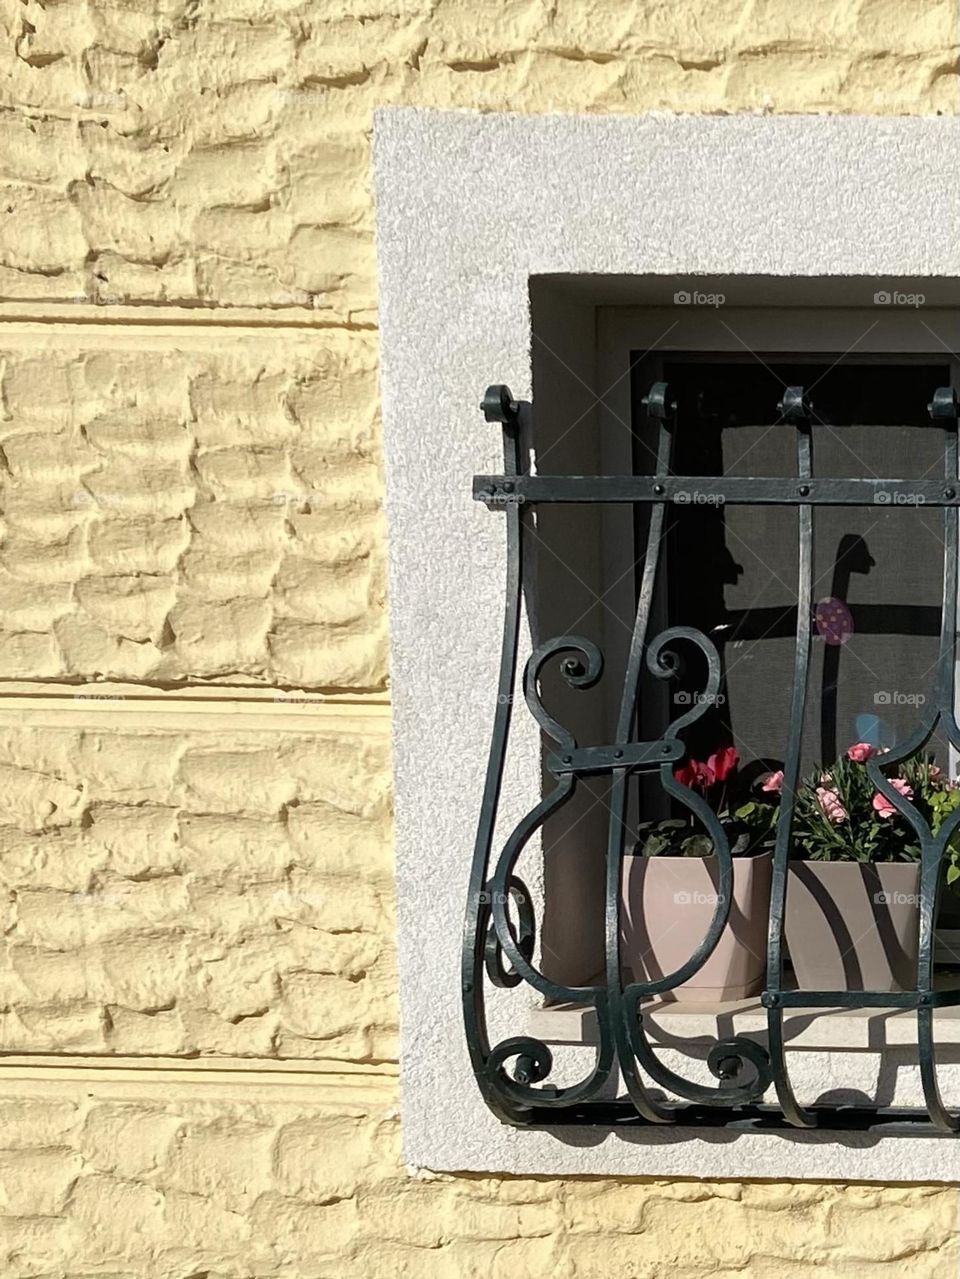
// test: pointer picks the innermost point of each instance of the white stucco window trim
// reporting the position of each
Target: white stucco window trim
(470, 207)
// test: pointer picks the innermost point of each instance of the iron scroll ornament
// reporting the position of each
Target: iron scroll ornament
(514, 1074)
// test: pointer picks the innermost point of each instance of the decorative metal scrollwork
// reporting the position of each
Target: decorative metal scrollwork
(516, 1074)
(523, 939)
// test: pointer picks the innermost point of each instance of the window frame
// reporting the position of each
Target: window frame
(616, 209)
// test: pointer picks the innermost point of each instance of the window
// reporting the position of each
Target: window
(789, 621)
(731, 569)
(580, 253)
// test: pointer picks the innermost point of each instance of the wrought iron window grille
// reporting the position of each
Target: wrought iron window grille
(499, 939)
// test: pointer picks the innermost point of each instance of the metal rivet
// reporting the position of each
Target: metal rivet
(949, 492)
(804, 490)
(508, 486)
(618, 754)
(567, 759)
(666, 748)
(658, 488)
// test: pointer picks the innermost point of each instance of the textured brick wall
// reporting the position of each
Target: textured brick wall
(178, 1179)
(196, 866)
(187, 507)
(176, 892)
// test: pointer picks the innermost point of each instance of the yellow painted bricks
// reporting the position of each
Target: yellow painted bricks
(194, 758)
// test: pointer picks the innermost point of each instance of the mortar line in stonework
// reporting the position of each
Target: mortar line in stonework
(147, 1073)
(187, 692)
(182, 317)
(245, 695)
(371, 721)
(285, 1067)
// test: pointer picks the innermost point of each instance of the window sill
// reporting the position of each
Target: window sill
(834, 1029)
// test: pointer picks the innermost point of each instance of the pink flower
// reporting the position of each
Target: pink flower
(861, 752)
(883, 806)
(830, 805)
(723, 763)
(774, 782)
(935, 772)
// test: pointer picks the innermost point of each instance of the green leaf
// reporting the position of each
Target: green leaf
(697, 846)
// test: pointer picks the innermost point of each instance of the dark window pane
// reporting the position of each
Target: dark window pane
(732, 570)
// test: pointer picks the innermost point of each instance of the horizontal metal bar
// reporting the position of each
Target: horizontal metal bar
(860, 998)
(711, 490)
(631, 755)
(890, 1121)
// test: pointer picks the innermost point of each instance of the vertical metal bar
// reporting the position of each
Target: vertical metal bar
(943, 407)
(725, 1061)
(660, 404)
(794, 408)
(498, 405)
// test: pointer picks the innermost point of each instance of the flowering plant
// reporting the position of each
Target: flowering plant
(839, 814)
(717, 779)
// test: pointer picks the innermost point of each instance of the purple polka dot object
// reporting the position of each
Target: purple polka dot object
(834, 621)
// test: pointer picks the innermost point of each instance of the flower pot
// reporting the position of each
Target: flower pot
(853, 925)
(667, 906)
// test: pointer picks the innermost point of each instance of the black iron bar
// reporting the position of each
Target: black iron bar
(634, 756)
(944, 409)
(488, 932)
(692, 490)
(793, 1112)
(737, 1056)
(860, 998)
(476, 925)
(661, 407)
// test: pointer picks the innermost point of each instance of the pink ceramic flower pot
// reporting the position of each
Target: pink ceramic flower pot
(853, 926)
(667, 906)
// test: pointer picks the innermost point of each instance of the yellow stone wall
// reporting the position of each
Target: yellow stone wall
(197, 989)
